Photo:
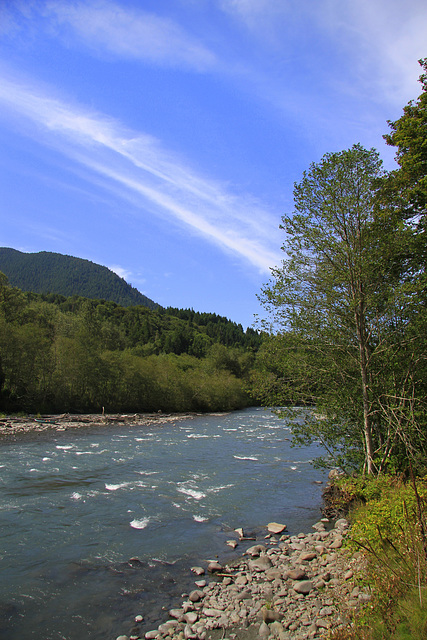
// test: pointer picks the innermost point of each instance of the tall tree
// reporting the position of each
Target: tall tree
(409, 136)
(330, 292)
(406, 186)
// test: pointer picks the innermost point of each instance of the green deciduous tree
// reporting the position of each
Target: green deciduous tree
(333, 292)
(409, 136)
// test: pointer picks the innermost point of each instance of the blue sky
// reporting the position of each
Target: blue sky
(162, 138)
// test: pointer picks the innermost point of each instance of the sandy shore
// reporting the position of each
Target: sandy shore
(13, 428)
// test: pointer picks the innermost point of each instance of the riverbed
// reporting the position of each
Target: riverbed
(99, 525)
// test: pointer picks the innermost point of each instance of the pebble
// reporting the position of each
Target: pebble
(231, 543)
(289, 590)
(276, 527)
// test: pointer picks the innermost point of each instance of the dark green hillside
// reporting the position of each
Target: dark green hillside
(76, 354)
(47, 272)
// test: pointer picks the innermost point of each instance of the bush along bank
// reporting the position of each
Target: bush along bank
(290, 587)
(389, 525)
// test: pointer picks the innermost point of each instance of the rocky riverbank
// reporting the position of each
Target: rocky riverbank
(287, 588)
(12, 427)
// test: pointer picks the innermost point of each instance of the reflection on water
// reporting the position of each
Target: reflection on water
(102, 525)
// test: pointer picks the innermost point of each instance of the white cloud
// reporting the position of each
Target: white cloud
(151, 176)
(256, 13)
(383, 38)
(131, 33)
(378, 41)
(120, 271)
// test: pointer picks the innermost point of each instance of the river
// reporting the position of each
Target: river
(98, 526)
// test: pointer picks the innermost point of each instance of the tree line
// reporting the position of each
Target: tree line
(347, 306)
(73, 354)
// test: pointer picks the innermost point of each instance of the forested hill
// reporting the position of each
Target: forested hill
(47, 272)
(74, 354)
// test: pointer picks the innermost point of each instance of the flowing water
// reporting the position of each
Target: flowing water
(100, 525)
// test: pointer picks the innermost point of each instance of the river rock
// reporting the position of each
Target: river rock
(244, 595)
(326, 611)
(150, 635)
(270, 615)
(302, 597)
(212, 613)
(255, 550)
(273, 574)
(176, 613)
(275, 527)
(306, 557)
(189, 634)
(296, 574)
(191, 617)
(214, 567)
(260, 564)
(196, 596)
(297, 546)
(334, 474)
(337, 543)
(278, 631)
(166, 627)
(199, 571)
(304, 587)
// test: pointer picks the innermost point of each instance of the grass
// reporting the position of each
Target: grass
(389, 525)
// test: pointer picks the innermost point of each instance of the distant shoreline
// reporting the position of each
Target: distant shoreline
(13, 428)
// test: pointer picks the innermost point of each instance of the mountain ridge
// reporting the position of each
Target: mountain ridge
(49, 272)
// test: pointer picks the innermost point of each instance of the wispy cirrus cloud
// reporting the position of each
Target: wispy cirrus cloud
(152, 177)
(130, 33)
(378, 41)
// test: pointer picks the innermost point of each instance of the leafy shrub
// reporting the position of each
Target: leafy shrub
(390, 525)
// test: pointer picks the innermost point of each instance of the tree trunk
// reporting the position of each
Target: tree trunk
(367, 426)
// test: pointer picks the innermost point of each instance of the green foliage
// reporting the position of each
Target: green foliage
(387, 505)
(408, 135)
(334, 307)
(54, 273)
(348, 306)
(80, 355)
(390, 527)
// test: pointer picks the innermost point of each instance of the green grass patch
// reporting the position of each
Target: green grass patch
(389, 525)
